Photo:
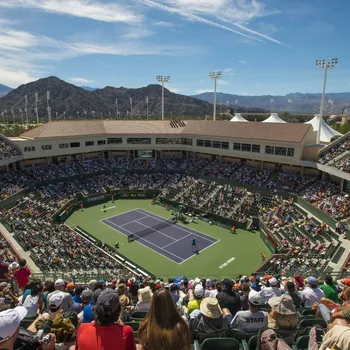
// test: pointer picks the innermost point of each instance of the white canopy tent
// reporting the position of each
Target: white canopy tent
(273, 118)
(326, 133)
(238, 118)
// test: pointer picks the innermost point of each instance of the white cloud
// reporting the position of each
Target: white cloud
(174, 89)
(14, 78)
(236, 13)
(222, 82)
(242, 62)
(135, 33)
(96, 10)
(81, 80)
(163, 24)
(227, 70)
(201, 91)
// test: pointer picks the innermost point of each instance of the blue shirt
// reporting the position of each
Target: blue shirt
(88, 314)
(77, 299)
(193, 242)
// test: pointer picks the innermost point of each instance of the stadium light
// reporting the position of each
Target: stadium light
(36, 107)
(163, 79)
(26, 109)
(147, 106)
(324, 64)
(130, 107)
(116, 103)
(215, 76)
(48, 105)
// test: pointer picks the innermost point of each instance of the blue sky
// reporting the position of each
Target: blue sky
(262, 47)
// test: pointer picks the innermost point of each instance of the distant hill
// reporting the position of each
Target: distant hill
(304, 103)
(4, 90)
(88, 88)
(71, 101)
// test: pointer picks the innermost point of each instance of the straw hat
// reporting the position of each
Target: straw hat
(284, 304)
(124, 300)
(144, 295)
(210, 307)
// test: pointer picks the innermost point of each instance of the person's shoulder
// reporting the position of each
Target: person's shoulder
(127, 330)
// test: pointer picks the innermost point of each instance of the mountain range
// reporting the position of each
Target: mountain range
(72, 101)
(4, 90)
(304, 103)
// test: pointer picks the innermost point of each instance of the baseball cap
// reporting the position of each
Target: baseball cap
(273, 281)
(254, 297)
(70, 286)
(312, 280)
(174, 287)
(347, 281)
(284, 304)
(10, 321)
(198, 290)
(107, 301)
(59, 282)
(86, 295)
(56, 300)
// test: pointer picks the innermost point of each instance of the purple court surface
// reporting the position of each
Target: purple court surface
(163, 236)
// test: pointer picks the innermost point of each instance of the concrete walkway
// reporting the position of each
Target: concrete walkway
(18, 249)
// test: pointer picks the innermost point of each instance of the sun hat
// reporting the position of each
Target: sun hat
(107, 301)
(10, 321)
(210, 307)
(14, 265)
(198, 290)
(144, 294)
(283, 304)
(273, 281)
(254, 298)
(59, 282)
(56, 300)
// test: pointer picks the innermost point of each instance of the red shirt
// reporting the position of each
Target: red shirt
(22, 276)
(92, 337)
(4, 268)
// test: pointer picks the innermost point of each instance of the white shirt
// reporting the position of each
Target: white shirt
(311, 296)
(213, 293)
(31, 304)
(270, 292)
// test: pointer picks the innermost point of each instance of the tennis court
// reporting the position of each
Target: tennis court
(163, 236)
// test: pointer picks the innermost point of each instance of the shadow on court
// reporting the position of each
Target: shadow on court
(147, 231)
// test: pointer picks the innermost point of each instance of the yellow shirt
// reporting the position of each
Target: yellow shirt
(193, 305)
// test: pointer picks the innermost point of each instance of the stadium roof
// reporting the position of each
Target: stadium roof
(285, 132)
(274, 118)
(327, 133)
(238, 118)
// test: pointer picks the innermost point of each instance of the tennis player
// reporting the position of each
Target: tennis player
(194, 245)
(130, 237)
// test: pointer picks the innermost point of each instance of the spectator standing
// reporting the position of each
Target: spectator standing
(251, 320)
(105, 333)
(329, 289)
(311, 294)
(67, 300)
(228, 298)
(163, 327)
(4, 269)
(22, 274)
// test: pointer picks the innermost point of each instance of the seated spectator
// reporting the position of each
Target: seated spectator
(209, 319)
(34, 301)
(163, 327)
(255, 283)
(4, 268)
(105, 333)
(22, 274)
(290, 290)
(86, 298)
(216, 289)
(77, 295)
(6, 295)
(194, 304)
(145, 299)
(338, 337)
(283, 314)
(244, 297)
(48, 288)
(228, 298)
(270, 290)
(126, 308)
(67, 300)
(311, 294)
(251, 320)
(329, 289)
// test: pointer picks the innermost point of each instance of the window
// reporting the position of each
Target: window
(236, 146)
(29, 149)
(216, 144)
(290, 152)
(280, 151)
(89, 143)
(225, 145)
(246, 147)
(63, 145)
(269, 149)
(256, 148)
(200, 143)
(75, 144)
(114, 140)
(141, 140)
(208, 143)
(187, 142)
(46, 147)
(101, 142)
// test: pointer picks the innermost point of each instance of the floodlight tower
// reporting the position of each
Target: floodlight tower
(26, 108)
(130, 107)
(215, 76)
(116, 103)
(147, 106)
(36, 107)
(163, 79)
(324, 64)
(48, 105)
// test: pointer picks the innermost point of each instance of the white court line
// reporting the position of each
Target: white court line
(164, 234)
(176, 241)
(154, 251)
(180, 228)
(190, 257)
(132, 221)
(144, 240)
(125, 212)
